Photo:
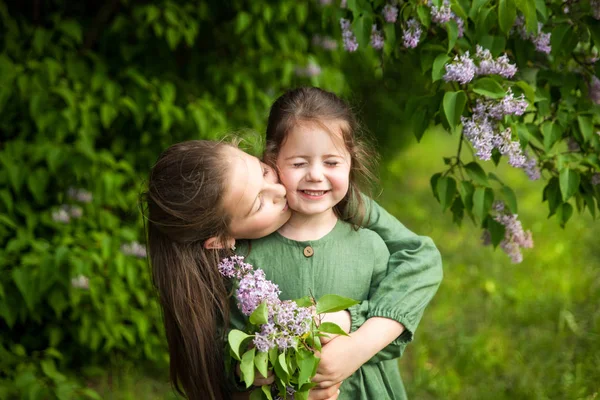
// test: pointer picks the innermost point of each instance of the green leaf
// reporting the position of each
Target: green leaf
(552, 133)
(49, 369)
(307, 366)
(477, 174)
(242, 22)
(424, 14)
(482, 202)
(332, 302)
(305, 301)
(256, 394)
(495, 44)
(564, 213)
(454, 104)
(496, 229)
(72, 29)
(266, 389)
(552, 195)
(235, 340)
(446, 189)
(488, 87)
(261, 361)
(511, 199)
(586, 126)
(389, 45)
(527, 90)
(107, 114)
(507, 14)
(247, 367)
(438, 70)
(26, 285)
(330, 327)
(466, 193)
(452, 28)
(458, 210)
(569, 183)
(282, 363)
(361, 27)
(433, 182)
(260, 315)
(527, 7)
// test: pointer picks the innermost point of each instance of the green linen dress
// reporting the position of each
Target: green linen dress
(393, 272)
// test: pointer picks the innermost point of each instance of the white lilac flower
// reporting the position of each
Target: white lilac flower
(488, 66)
(80, 282)
(411, 33)
(350, 43)
(390, 13)
(134, 249)
(80, 195)
(595, 5)
(61, 215)
(311, 70)
(461, 69)
(376, 38)
(541, 40)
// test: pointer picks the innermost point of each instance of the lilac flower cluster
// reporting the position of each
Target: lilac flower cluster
(531, 168)
(81, 282)
(444, 14)
(390, 13)
(376, 38)
(290, 391)
(309, 71)
(286, 320)
(515, 237)
(482, 128)
(595, 5)
(350, 43)
(594, 89)
(67, 212)
(134, 249)
(541, 40)
(411, 33)
(80, 195)
(464, 68)
(325, 42)
(595, 179)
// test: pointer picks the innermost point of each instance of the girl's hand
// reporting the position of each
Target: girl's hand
(340, 358)
(330, 393)
(341, 318)
(259, 380)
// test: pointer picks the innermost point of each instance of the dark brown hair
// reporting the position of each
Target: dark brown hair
(184, 208)
(314, 105)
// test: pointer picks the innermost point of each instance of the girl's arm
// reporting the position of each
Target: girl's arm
(414, 273)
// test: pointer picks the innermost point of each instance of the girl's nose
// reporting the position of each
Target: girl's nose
(315, 173)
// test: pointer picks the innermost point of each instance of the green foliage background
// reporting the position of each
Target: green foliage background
(91, 92)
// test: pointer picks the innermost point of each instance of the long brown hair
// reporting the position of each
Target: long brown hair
(184, 208)
(314, 105)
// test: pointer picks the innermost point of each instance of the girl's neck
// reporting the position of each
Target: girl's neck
(303, 227)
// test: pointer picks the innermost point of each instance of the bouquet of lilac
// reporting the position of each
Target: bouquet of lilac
(281, 335)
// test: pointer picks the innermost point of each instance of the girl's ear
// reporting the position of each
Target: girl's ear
(218, 243)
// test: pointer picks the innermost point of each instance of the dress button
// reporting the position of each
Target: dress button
(308, 251)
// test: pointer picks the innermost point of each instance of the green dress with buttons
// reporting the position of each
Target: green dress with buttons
(390, 270)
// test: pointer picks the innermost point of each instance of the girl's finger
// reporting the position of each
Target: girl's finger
(330, 393)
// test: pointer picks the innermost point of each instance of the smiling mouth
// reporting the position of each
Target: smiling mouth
(314, 193)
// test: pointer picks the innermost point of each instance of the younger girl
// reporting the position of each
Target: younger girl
(202, 196)
(311, 140)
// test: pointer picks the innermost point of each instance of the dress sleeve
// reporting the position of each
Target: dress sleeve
(414, 273)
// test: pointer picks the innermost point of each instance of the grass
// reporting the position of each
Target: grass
(495, 330)
(498, 330)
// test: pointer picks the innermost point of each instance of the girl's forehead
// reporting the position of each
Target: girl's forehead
(316, 135)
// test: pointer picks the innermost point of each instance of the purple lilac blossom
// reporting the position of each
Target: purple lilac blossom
(311, 70)
(461, 70)
(594, 90)
(253, 289)
(376, 38)
(541, 40)
(234, 267)
(350, 43)
(80, 195)
(390, 13)
(515, 238)
(444, 14)
(488, 66)
(325, 42)
(411, 33)
(595, 6)
(531, 168)
(134, 249)
(595, 179)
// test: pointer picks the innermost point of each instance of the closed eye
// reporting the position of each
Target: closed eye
(298, 165)
(332, 163)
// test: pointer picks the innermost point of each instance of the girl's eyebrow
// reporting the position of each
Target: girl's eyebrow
(308, 157)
